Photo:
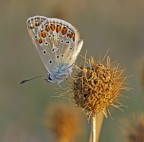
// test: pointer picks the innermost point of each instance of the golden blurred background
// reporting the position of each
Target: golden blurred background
(117, 25)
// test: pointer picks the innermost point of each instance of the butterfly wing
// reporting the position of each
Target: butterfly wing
(57, 42)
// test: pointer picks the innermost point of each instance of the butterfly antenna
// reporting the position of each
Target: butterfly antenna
(26, 80)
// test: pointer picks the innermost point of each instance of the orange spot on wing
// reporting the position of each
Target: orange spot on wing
(47, 28)
(58, 28)
(52, 27)
(43, 34)
(70, 35)
(73, 37)
(40, 40)
(64, 30)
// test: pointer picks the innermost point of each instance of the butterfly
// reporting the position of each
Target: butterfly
(58, 44)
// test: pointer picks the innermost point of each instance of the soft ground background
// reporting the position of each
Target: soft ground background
(114, 24)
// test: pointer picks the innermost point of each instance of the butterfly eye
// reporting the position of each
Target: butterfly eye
(49, 78)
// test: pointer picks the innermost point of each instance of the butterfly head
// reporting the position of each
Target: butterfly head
(59, 75)
(51, 78)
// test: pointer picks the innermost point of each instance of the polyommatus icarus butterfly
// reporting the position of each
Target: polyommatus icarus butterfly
(58, 44)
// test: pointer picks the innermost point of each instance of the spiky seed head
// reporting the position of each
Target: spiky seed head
(64, 122)
(135, 132)
(97, 86)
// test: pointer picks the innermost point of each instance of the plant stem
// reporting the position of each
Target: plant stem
(99, 120)
(93, 128)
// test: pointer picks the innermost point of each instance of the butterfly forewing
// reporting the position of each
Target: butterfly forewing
(57, 41)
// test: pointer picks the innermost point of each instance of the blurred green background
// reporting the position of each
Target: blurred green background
(117, 25)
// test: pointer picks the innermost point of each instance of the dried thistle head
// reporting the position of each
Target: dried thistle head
(64, 122)
(135, 133)
(97, 86)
